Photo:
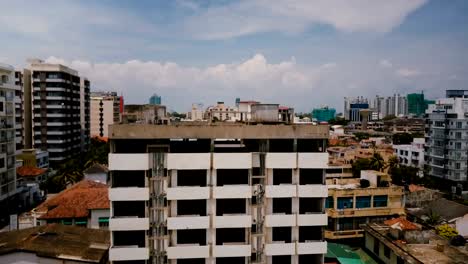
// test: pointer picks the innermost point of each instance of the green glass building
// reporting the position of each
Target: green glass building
(417, 105)
(323, 114)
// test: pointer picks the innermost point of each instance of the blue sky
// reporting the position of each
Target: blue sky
(301, 53)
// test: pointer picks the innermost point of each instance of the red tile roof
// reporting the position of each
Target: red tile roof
(402, 223)
(29, 171)
(76, 201)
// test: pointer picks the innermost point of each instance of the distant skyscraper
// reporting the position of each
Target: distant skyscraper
(416, 104)
(323, 114)
(155, 100)
(348, 111)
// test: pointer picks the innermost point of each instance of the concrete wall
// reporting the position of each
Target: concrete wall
(462, 225)
(30, 258)
(95, 214)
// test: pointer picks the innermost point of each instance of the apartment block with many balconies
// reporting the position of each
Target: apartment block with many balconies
(55, 102)
(221, 193)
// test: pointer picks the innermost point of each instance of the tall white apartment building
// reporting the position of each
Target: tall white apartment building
(105, 111)
(7, 134)
(222, 193)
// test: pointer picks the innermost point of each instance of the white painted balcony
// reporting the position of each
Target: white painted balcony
(312, 190)
(188, 161)
(312, 219)
(232, 250)
(275, 220)
(282, 190)
(129, 194)
(312, 247)
(280, 248)
(232, 160)
(188, 193)
(128, 253)
(188, 222)
(313, 160)
(124, 161)
(188, 251)
(128, 224)
(232, 221)
(232, 191)
(281, 160)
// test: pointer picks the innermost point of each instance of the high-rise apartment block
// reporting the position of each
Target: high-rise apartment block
(55, 104)
(222, 193)
(323, 114)
(447, 138)
(7, 134)
(105, 111)
(396, 105)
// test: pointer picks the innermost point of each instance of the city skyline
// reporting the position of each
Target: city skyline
(204, 51)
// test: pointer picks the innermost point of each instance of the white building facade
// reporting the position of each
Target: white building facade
(412, 154)
(218, 194)
(105, 111)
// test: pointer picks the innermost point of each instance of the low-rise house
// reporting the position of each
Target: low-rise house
(29, 180)
(84, 204)
(54, 243)
(353, 202)
(412, 154)
(399, 241)
(447, 211)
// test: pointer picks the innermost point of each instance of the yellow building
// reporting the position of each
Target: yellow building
(350, 204)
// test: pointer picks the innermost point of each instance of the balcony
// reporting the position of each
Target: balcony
(312, 190)
(281, 160)
(279, 191)
(280, 248)
(188, 193)
(232, 191)
(312, 247)
(232, 250)
(188, 222)
(188, 161)
(136, 161)
(232, 160)
(313, 160)
(128, 224)
(344, 234)
(312, 219)
(128, 253)
(275, 220)
(232, 221)
(129, 194)
(188, 251)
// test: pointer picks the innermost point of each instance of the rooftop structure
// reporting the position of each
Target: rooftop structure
(411, 155)
(54, 243)
(219, 193)
(351, 204)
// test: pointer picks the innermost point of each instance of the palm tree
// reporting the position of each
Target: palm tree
(393, 162)
(377, 162)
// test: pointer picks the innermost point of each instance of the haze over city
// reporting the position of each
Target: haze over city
(299, 53)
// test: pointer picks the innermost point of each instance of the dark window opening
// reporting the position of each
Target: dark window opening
(230, 206)
(380, 200)
(310, 233)
(190, 146)
(311, 205)
(190, 261)
(229, 146)
(286, 259)
(281, 145)
(310, 145)
(330, 202)
(230, 235)
(376, 247)
(282, 234)
(129, 238)
(128, 179)
(386, 252)
(308, 259)
(231, 177)
(191, 207)
(191, 178)
(136, 145)
(129, 208)
(231, 260)
(282, 176)
(311, 176)
(363, 201)
(191, 236)
(345, 202)
(282, 205)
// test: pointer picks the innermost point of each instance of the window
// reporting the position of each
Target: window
(380, 200)
(330, 202)
(459, 124)
(376, 246)
(457, 165)
(363, 202)
(457, 145)
(387, 252)
(345, 202)
(103, 222)
(1, 106)
(458, 135)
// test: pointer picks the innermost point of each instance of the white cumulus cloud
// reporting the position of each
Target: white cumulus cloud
(385, 64)
(405, 72)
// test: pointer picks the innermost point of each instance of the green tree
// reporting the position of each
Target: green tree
(402, 138)
(360, 136)
(359, 165)
(389, 117)
(393, 162)
(377, 162)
